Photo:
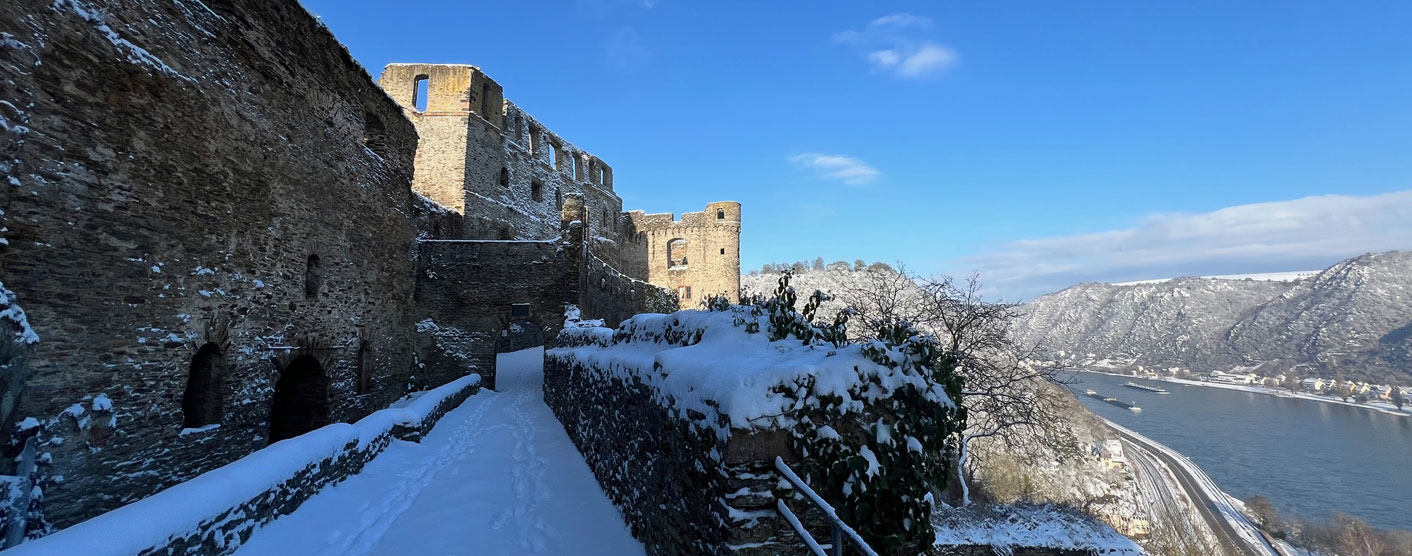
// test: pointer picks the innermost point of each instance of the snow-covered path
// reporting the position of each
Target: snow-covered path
(497, 475)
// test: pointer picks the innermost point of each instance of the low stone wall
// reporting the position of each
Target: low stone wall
(674, 482)
(216, 512)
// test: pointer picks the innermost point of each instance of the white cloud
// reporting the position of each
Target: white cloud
(901, 20)
(846, 169)
(1301, 234)
(923, 60)
(889, 46)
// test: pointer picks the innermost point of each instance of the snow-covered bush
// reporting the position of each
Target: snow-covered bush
(872, 421)
(878, 462)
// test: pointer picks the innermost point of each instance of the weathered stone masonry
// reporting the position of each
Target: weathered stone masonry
(172, 166)
(484, 157)
(697, 256)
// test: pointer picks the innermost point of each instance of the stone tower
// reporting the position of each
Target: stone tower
(697, 256)
(483, 157)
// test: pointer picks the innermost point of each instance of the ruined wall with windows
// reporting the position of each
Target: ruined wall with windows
(484, 157)
(188, 193)
(697, 256)
(507, 176)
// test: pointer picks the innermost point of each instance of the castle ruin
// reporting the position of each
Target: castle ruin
(509, 175)
(230, 235)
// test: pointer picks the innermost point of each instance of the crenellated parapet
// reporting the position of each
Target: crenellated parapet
(487, 159)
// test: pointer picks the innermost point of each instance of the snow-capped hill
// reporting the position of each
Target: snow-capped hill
(1169, 322)
(1261, 276)
(1354, 317)
(1337, 320)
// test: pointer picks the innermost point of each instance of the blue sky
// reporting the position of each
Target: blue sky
(1039, 143)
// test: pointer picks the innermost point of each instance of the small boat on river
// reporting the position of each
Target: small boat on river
(1115, 401)
(1146, 388)
(1125, 405)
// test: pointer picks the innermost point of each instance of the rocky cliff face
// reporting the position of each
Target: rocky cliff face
(1355, 317)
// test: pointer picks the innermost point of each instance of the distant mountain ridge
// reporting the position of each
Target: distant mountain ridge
(1354, 317)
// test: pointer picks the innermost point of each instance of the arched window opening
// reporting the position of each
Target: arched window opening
(537, 190)
(300, 400)
(201, 403)
(365, 366)
(421, 86)
(374, 134)
(504, 177)
(313, 277)
(505, 233)
(676, 253)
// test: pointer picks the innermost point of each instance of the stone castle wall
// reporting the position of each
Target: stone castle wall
(697, 256)
(171, 166)
(484, 157)
(466, 295)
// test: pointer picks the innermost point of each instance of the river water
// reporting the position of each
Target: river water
(1309, 458)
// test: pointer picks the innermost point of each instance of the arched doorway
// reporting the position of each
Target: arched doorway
(201, 403)
(301, 399)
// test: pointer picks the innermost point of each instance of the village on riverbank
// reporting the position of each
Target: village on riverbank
(1396, 400)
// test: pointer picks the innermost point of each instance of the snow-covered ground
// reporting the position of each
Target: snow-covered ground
(1005, 528)
(498, 475)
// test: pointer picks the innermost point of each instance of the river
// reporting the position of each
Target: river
(1309, 458)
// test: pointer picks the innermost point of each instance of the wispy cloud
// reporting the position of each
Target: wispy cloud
(610, 4)
(625, 51)
(891, 44)
(927, 58)
(1300, 234)
(901, 20)
(845, 169)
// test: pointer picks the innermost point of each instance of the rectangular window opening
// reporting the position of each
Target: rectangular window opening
(419, 93)
(520, 310)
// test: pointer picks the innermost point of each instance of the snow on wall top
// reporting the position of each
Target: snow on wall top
(179, 510)
(706, 362)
